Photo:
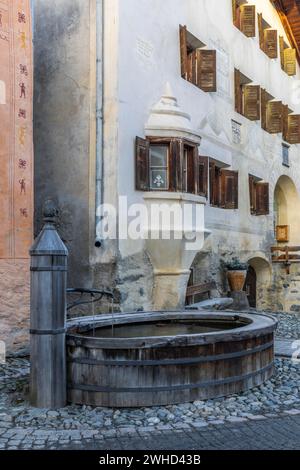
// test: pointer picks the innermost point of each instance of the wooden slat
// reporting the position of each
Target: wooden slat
(283, 249)
(248, 20)
(200, 289)
(229, 189)
(270, 43)
(293, 136)
(281, 50)
(290, 61)
(264, 104)
(274, 117)
(261, 31)
(142, 148)
(183, 51)
(238, 95)
(207, 70)
(251, 95)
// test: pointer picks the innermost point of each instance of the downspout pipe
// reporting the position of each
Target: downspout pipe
(99, 119)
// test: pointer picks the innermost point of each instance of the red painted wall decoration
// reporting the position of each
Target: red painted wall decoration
(16, 149)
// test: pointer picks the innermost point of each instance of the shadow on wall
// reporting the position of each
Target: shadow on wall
(287, 208)
(258, 283)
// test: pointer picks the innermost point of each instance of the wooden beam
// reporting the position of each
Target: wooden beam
(282, 12)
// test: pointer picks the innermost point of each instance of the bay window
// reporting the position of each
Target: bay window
(164, 164)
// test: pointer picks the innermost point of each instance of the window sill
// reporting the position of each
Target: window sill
(173, 196)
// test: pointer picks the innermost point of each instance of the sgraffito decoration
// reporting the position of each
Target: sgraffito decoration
(16, 150)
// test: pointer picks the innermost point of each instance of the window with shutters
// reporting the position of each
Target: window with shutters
(287, 58)
(247, 97)
(198, 64)
(268, 38)
(259, 196)
(170, 164)
(285, 155)
(223, 187)
(244, 17)
(291, 126)
(271, 113)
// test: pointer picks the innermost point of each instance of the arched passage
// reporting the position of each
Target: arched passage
(258, 281)
(287, 210)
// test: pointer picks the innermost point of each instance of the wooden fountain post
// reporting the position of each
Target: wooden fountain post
(48, 316)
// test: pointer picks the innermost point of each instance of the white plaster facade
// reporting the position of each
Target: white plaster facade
(141, 54)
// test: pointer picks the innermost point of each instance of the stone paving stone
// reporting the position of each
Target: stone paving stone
(292, 412)
(125, 431)
(200, 425)
(233, 419)
(257, 417)
(181, 426)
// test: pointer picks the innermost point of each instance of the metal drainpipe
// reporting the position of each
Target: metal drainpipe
(99, 117)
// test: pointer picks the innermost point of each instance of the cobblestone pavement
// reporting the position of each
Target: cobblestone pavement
(288, 325)
(282, 433)
(287, 348)
(272, 409)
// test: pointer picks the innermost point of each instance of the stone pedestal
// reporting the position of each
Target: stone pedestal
(170, 289)
(172, 247)
(240, 300)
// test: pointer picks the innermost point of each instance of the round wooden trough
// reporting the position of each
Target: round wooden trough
(162, 358)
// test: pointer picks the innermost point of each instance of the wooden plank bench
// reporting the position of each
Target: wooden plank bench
(199, 289)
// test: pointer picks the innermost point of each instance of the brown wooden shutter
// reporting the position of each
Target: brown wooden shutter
(262, 199)
(235, 10)
(294, 129)
(238, 95)
(203, 176)
(290, 61)
(285, 122)
(261, 31)
(192, 170)
(175, 165)
(248, 20)
(229, 189)
(264, 105)
(252, 191)
(270, 43)
(274, 117)
(183, 51)
(214, 185)
(192, 67)
(281, 48)
(251, 95)
(142, 153)
(207, 70)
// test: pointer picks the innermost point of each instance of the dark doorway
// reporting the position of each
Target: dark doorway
(250, 287)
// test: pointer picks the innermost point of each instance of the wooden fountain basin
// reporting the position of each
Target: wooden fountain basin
(163, 358)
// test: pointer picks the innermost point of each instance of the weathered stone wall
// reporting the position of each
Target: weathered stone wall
(138, 61)
(65, 124)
